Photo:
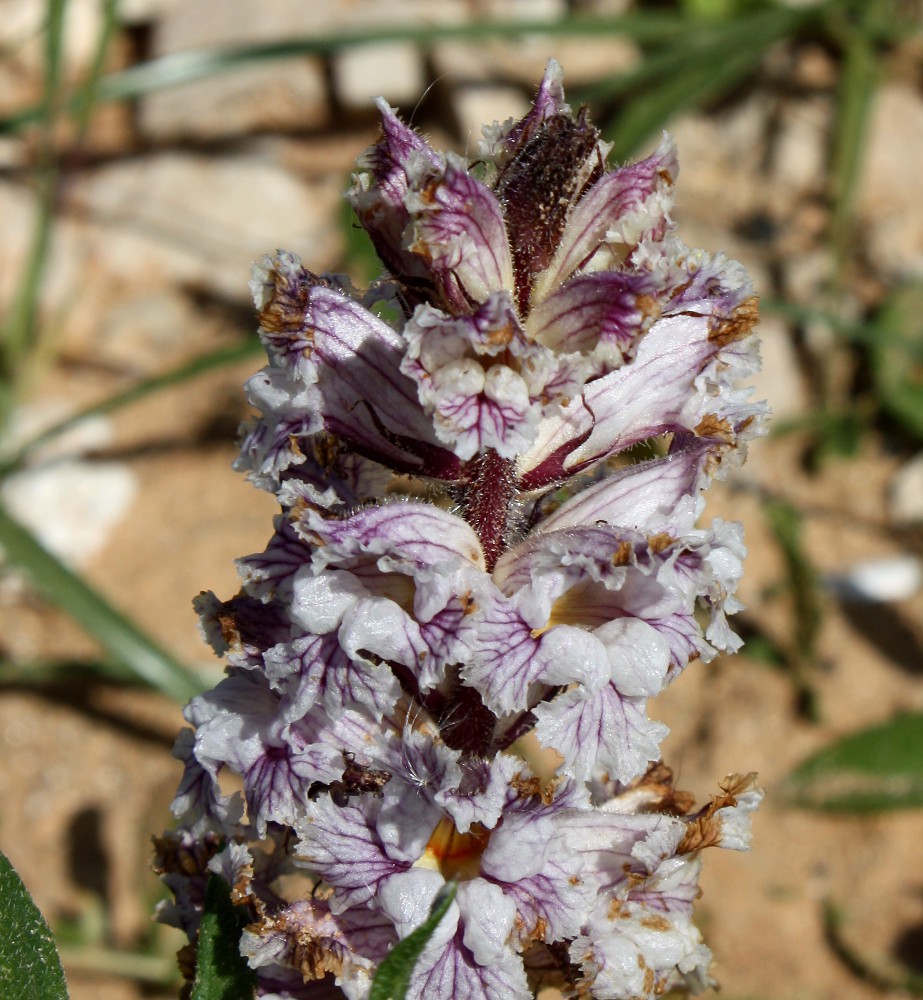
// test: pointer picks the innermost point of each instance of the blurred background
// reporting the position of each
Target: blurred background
(151, 150)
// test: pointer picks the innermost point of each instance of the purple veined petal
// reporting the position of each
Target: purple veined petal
(605, 312)
(238, 726)
(451, 972)
(479, 377)
(490, 915)
(458, 229)
(290, 410)
(340, 844)
(529, 857)
(623, 207)
(268, 575)
(678, 382)
(315, 670)
(409, 534)
(510, 661)
(553, 902)
(558, 436)
(502, 142)
(477, 410)
(406, 898)
(379, 188)
(643, 496)
(242, 628)
(331, 340)
(601, 731)
(198, 802)
(448, 968)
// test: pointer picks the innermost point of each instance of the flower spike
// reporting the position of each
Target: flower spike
(471, 564)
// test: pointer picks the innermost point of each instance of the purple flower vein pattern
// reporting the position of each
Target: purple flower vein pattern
(489, 558)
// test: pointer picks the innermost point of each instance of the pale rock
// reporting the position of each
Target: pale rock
(905, 493)
(393, 70)
(876, 581)
(479, 106)
(719, 162)
(200, 221)
(780, 379)
(800, 146)
(70, 504)
(281, 93)
(891, 186)
(524, 59)
(22, 36)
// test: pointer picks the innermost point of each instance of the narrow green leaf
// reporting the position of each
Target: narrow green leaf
(20, 328)
(29, 965)
(897, 357)
(870, 771)
(85, 100)
(708, 62)
(123, 640)
(221, 972)
(218, 358)
(859, 77)
(785, 525)
(393, 975)
(198, 64)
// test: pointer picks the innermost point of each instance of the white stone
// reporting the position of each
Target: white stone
(780, 379)
(197, 220)
(877, 580)
(905, 493)
(479, 106)
(71, 505)
(891, 186)
(800, 146)
(288, 92)
(393, 70)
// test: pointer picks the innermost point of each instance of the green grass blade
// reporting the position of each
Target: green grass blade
(897, 357)
(204, 363)
(117, 634)
(29, 965)
(859, 77)
(85, 100)
(392, 977)
(876, 769)
(20, 328)
(708, 63)
(184, 67)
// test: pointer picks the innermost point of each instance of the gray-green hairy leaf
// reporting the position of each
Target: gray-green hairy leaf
(29, 965)
(221, 972)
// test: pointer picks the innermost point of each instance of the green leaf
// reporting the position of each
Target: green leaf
(706, 63)
(124, 640)
(871, 771)
(199, 365)
(199, 64)
(393, 975)
(860, 74)
(897, 357)
(29, 965)
(221, 972)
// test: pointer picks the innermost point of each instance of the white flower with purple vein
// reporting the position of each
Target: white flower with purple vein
(472, 565)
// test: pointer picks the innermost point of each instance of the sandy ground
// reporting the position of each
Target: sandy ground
(150, 264)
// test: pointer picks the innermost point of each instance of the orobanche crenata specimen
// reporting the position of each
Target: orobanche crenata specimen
(490, 468)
